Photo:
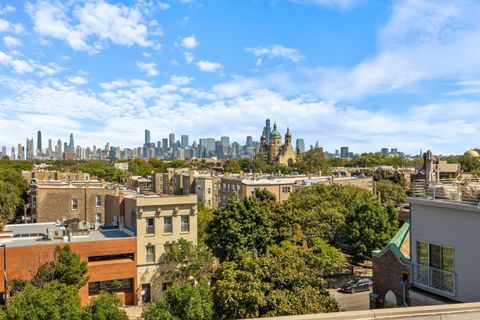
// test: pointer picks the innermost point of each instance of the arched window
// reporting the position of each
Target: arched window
(390, 300)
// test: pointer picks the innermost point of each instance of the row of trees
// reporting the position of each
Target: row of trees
(271, 259)
(13, 188)
(52, 294)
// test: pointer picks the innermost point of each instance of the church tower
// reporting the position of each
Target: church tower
(275, 143)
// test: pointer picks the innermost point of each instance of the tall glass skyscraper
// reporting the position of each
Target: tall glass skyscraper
(184, 141)
(147, 136)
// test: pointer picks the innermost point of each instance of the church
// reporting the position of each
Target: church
(273, 151)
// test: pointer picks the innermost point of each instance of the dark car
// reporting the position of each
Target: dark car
(364, 284)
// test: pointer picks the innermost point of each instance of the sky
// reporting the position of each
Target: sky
(366, 74)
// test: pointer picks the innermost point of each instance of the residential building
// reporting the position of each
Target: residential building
(59, 200)
(441, 266)
(140, 184)
(43, 175)
(110, 255)
(207, 188)
(156, 220)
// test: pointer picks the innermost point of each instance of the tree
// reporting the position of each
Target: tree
(278, 283)
(391, 194)
(53, 301)
(105, 307)
(185, 302)
(66, 268)
(313, 161)
(185, 261)
(9, 201)
(239, 229)
(325, 257)
(205, 215)
(232, 166)
(368, 227)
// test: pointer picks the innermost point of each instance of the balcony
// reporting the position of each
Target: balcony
(435, 280)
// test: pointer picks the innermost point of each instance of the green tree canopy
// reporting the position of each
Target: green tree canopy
(66, 268)
(185, 302)
(391, 194)
(278, 283)
(105, 307)
(53, 301)
(185, 262)
(232, 166)
(240, 228)
(313, 161)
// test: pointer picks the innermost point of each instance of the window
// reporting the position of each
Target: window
(166, 285)
(209, 190)
(150, 226)
(185, 224)
(119, 285)
(435, 266)
(98, 200)
(150, 253)
(129, 256)
(286, 189)
(74, 204)
(167, 225)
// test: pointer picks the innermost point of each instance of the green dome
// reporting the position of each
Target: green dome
(275, 134)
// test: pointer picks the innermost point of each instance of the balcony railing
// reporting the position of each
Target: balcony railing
(437, 280)
(465, 191)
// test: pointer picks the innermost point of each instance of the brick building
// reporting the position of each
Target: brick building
(110, 254)
(56, 200)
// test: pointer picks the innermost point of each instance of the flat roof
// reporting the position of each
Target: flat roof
(39, 229)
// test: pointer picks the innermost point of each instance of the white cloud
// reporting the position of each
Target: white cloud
(276, 51)
(78, 80)
(149, 68)
(422, 41)
(163, 5)
(7, 9)
(209, 66)
(96, 23)
(12, 42)
(190, 42)
(4, 25)
(344, 4)
(189, 57)
(180, 80)
(129, 104)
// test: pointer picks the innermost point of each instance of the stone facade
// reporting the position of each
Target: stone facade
(273, 151)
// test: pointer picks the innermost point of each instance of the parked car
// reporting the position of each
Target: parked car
(364, 284)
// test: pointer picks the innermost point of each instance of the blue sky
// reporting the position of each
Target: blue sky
(358, 73)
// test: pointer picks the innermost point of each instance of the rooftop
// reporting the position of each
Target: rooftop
(33, 233)
(460, 190)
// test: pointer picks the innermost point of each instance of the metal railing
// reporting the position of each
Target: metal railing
(437, 280)
(465, 191)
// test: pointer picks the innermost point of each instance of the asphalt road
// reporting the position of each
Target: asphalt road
(351, 301)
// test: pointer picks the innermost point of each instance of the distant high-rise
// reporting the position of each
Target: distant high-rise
(66, 148)
(384, 151)
(71, 146)
(300, 146)
(30, 150)
(207, 146)
(164, 145)
(249, 141)
(267, 130)
(147, 137)
(4, 151)
(171, 140)
(39, 142)
(184, 141)
(344, 152)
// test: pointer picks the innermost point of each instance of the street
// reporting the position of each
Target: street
(351, 302)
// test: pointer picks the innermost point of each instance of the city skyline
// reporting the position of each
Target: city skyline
(364, 74)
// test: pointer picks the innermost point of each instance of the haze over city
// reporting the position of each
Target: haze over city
(366, 74)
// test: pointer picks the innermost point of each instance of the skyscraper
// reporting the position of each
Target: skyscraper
(267, 130)
(147, 137)
(164, 145)
(300, 146)
(39, 142)
(344, 152)
(184, 141)
(4, 151)
(249, 141)
(71, 146)
(171, 138)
